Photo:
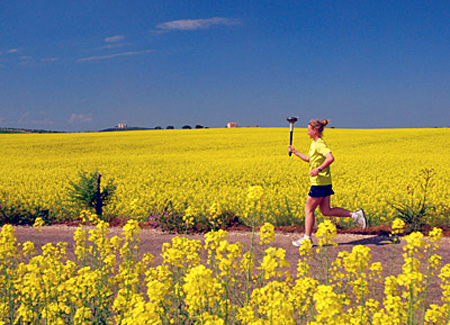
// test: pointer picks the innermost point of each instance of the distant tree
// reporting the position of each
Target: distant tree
(170, 127)
(158, 128)
(186, 127)
(198, 126)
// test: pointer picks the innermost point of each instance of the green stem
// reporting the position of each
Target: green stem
(10, 288)
(427, 283)
(250, 262)
(363, 301)
(411, 307)
(327, 262)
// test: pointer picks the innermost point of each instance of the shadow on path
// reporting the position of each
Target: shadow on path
(376, 240)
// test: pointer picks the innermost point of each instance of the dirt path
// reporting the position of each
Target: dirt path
(152, 241)
(381, 247)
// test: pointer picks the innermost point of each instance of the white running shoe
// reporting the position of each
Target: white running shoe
(360, 218)
(298, 243)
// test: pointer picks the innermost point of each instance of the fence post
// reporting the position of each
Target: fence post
(98, 201)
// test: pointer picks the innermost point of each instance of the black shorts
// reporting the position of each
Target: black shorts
(321, 191)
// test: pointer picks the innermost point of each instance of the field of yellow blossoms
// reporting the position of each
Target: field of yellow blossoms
(213, 281)
(196, 171)
(248, 173)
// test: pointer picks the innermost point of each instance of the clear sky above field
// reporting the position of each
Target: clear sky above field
(89, 65)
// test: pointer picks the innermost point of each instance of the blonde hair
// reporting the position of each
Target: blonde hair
(318, 125)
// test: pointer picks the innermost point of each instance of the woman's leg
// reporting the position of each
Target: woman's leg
(333, 212)
(310, 207)
(359, 216)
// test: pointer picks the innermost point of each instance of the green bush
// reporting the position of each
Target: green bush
(23, 215)
(415, 211)
(89, 193)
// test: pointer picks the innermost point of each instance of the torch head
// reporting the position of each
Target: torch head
(292, 120)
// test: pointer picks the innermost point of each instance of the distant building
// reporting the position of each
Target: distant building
(122, 125)
(232, 125)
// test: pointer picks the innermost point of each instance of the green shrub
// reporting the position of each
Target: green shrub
(87, 191)
(23, 215)
(416, 210)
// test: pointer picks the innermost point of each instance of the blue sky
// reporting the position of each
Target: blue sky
(88, 65)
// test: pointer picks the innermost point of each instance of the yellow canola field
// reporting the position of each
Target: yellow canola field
(200, 168)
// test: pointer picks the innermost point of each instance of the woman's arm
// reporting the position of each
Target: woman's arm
(302, 156)
(329, 158)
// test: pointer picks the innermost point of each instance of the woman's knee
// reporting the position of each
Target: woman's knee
(311, 204)
(309, 209)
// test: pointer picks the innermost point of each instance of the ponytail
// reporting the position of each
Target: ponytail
(319, 125)
(324, 122)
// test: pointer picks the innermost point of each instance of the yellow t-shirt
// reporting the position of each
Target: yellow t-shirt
(317, 153)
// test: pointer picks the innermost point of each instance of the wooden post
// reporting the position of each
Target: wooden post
(98, 203)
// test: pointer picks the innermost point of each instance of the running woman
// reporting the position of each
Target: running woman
(320, 158)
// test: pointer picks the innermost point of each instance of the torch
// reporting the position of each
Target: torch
(291, 121)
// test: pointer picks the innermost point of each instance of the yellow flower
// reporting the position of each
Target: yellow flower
(435, 235)
(357, 260)
(305, 251)
(329, 305)
(207, 319)
(214, 238)
(301, 295)
(255, 193)
(89, 217)
(213, 214)
(326, 233)
(445, 283)
(225, 257)
(273, 263)
(203, 291)
(183, 252)
(266, 233)
(188, 216)
(28, 248)
(398, 226)
(83, 316)
(38, 223)
(437, 314)
(393, 312)
(272, 304)
(246, 315)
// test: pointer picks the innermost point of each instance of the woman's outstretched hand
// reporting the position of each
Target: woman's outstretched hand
(314, 172)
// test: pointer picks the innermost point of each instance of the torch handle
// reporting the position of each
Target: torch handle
(290, 140)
